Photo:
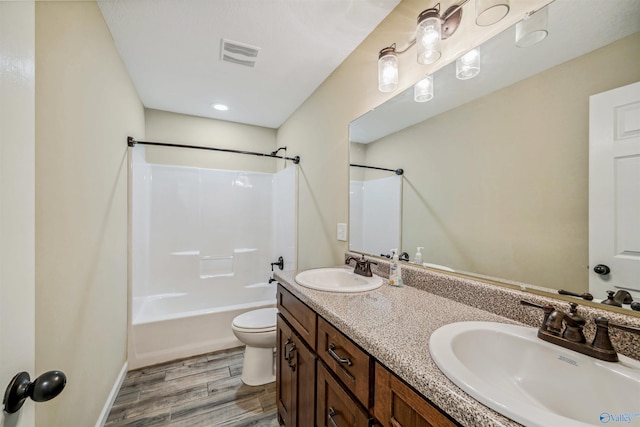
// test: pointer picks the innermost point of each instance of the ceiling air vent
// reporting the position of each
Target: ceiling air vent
(239, 53)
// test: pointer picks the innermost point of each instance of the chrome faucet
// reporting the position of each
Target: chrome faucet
(363, 266)
(566, 330)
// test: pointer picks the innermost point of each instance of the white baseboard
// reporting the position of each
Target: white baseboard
(112, 396)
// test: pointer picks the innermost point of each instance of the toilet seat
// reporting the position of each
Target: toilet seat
(256, 321)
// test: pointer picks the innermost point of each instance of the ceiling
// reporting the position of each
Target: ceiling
(171, 49)
(575, 28)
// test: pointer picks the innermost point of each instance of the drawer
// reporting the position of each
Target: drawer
(301, 317)
(346, 360)
(335, 407)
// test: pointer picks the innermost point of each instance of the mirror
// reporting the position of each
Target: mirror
(496, 168)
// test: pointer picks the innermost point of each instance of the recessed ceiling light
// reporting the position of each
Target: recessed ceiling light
(220, 107)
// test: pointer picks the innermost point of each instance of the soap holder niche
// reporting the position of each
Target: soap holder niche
(216, 266)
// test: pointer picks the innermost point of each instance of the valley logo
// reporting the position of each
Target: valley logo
(606, 417)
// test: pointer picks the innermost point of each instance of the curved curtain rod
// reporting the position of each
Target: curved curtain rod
(131, 142)
(396, 171)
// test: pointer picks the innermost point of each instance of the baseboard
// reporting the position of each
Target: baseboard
(112, 396)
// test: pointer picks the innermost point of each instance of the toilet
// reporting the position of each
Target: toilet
(257, 329)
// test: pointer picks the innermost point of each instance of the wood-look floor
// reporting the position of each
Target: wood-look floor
(202, 391)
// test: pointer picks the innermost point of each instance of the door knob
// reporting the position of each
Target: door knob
(602, 269)
(45, 387)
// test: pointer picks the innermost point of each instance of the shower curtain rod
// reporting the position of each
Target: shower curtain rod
(396, 171)
(131, 142)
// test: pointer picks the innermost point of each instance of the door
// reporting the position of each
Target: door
(17, 191)
(614, 191)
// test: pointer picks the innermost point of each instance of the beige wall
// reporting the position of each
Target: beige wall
(318, 130)
(507, 192)
(163, 126)
(86, 105)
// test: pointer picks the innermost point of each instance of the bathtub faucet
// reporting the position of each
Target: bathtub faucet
(279, 263)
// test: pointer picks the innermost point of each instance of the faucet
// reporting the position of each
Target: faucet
(363, 266)
(572, 336)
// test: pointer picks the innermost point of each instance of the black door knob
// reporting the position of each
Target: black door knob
(45, 387)
(602, 269)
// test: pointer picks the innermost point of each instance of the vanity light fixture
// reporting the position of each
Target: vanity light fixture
(430, 30)
(468, 65)
(388, 69)
(423, 90)
(533, 28)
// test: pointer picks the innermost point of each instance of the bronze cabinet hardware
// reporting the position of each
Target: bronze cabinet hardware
(332, 413)
(332, 353)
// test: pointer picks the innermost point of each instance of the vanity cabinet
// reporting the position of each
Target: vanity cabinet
(324, 379)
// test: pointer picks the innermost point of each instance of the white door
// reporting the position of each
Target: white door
(17, 190)
(614, 191)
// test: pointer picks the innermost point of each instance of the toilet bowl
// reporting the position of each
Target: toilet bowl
(257, 329)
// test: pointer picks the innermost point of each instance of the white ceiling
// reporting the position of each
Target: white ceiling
(575, 28)
(171, 49)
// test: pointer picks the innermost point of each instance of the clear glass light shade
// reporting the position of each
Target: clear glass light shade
(468, 65)
(532, 29)
(428, 35)
(489, 12)
(423, 90)
(388, 72)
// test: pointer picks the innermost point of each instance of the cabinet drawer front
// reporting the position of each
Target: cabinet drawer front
(397, 405)
(301, 317)
(335, 408)
(346, 360)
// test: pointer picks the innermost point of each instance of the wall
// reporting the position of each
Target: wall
(86, 105)
(492, 198)
(318, 130)
(164, 126)
(17, 210)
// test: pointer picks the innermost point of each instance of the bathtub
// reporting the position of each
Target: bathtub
(171, 326)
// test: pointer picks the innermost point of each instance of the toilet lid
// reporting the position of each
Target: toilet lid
(264, 318)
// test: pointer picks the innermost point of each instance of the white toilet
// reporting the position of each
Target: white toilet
(257, 329)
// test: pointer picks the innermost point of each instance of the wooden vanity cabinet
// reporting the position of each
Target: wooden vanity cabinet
(397, 405)
(324, 379)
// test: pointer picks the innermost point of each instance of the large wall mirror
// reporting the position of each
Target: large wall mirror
(496, 168)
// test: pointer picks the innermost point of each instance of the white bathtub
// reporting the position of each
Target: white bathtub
(175, 325)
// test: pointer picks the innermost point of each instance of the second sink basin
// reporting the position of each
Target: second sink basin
(512, 371)
(337, 280)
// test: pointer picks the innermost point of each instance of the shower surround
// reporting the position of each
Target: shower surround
(203, 241)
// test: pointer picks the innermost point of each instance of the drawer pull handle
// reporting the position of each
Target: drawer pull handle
(287, 356)
(332, 414)
(291, 365)
(332, 353)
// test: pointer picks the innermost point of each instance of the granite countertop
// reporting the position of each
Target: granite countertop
(394, 325)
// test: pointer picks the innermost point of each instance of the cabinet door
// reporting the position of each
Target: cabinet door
(397, 405)
(335, 408)
(297, 314)
(295, 377)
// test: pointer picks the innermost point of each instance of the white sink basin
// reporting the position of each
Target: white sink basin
(337, 280)
(509, 369)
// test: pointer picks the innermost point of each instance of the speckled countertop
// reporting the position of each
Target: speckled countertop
(394, 325)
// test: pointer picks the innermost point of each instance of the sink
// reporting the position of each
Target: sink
(509, 369)
(337, 280)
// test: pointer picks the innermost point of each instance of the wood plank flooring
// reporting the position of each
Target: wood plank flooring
(203, 391)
